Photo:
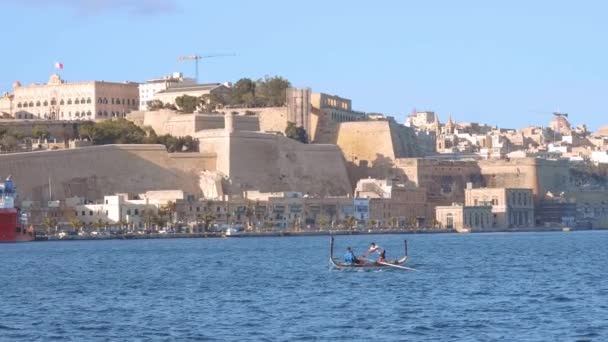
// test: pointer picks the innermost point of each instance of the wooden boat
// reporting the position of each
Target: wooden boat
(370, 264)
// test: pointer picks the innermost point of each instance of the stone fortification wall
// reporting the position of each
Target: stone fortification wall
(193, 162)
(272, 163)
(92, 172)
(540, 175)
(371, 147)
(272, 119)
(179, 125)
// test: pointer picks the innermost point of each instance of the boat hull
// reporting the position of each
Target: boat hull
(11, 229)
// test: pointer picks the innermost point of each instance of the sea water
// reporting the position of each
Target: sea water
(472, 287)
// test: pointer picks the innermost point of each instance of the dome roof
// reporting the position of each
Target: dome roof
(16, 84)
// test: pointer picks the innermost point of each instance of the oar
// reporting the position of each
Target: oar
(396, 266)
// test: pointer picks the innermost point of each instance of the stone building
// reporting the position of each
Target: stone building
(122, 209)
(61, 100)
(394, 204)
(196, 90)
(464, 218)
(422, 121)
(148, 89)
(511, 207)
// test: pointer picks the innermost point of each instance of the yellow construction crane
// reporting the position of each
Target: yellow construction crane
(196, 58)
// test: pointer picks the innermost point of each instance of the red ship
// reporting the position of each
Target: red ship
(11, 223)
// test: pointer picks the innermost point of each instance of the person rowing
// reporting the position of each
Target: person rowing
(350, 258)
(373, 248)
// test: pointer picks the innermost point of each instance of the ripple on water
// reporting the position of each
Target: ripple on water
(470, 288)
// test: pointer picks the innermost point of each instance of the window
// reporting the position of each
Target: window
(136, 211)
(61, 103)
(112, 100)
(76, 213)
(89, 100)
(69, 101)
(82, 100)
(90, 212)
(37, 103)
(83, 213)
(31, 104)
(105, 113)
(123, 101)
(106, 213)
(100, 100)
(89, 113)
(53, 102)
(99, 113)
(76, 101)
(45, 103)
(106, 201)
(19, 105)
(105, 100)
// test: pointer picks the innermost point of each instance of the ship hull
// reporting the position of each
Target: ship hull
(11, 229)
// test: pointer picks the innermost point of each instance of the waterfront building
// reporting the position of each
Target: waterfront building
(61, 100)
(462, 218)
(511, 207)
(122, 209)
(148, 89)
(394, 204)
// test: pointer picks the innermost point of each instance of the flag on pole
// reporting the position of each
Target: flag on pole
(59, 65)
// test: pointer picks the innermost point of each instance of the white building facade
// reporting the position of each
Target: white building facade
(151, 87)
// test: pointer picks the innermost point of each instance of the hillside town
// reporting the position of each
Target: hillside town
(173, 155)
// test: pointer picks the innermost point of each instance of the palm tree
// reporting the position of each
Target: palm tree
(75, 223)
(350, 222)
(98, 224)
(322, 221)
(49, 223)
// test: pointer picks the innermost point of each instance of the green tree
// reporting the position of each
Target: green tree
(271, 91)
(210, 103)
(9, 143)
(186, 103)
(40, 132)
(323, 222)
(296, 133)
(243, 93)
(49, 223)
(350, 222)
(154, 105)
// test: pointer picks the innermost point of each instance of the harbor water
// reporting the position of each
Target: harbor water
(469, 287)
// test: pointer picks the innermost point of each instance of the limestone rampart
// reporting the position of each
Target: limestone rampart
(272, 163)
(179, 125)
(92, 172)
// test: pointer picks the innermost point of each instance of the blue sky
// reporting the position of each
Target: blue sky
(509, 63)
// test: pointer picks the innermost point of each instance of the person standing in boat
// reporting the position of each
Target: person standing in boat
(373, 248)
(349, 257)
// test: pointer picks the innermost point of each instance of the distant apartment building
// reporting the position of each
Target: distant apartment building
(511, 207)
(424, 121)
(61, 100)
(196, 90)
(148, 89)
(394, 204)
